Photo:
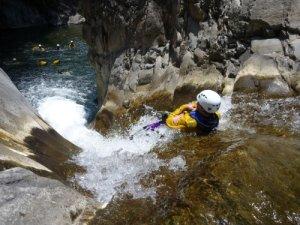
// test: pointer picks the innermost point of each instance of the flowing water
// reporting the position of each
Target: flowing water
(245, 173)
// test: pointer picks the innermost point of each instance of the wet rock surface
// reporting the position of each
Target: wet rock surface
(26, 139)
(135, 56)
(245, 173)
(254, 182)
(27, 198)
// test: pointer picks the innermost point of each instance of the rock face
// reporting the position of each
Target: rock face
(22, 13)
(140, 48)
(260, 73)
(27, 198)
(267, 46)
(25, 139)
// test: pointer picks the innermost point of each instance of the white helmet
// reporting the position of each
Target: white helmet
(209, 100)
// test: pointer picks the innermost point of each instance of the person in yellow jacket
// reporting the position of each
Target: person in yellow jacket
(201, 116)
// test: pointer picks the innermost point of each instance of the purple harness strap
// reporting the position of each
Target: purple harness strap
(153, 126)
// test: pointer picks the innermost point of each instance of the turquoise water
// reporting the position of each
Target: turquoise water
(74, 78)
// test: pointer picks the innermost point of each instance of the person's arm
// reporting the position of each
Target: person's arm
(185, 107)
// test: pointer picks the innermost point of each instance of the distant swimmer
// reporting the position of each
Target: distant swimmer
(14, 59)
(71, 44)
(38, 48)
(41, 62)
(56, 62)
(57, 47)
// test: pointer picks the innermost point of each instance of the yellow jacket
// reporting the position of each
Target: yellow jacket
(182, 120)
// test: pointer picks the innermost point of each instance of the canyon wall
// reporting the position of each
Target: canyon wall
(27, 13)
(162, 54)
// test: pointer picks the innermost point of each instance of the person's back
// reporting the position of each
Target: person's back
(201, 116)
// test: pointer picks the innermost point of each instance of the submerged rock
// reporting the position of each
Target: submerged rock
(29, 199)
(254, 181)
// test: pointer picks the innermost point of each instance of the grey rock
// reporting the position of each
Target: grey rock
(24, 134)
(195, 11)
(267, 46)
(126, 104)
(231, 70)
(270, 11)
(240, 48)
(296, 48)
(29, 199)
(200, 56)
(145, 77)
(193, 41)
(187, 63)
(178, 38)
(261, 74)
(76, 19)
(294, 15)
(149, 66)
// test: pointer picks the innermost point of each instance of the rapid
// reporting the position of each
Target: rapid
(65, 97)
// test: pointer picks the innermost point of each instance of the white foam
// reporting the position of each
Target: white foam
(225, 108)
(114, 164)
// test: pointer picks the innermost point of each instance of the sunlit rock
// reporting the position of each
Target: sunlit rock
(260, 73)
(29, 199)
(27, 140)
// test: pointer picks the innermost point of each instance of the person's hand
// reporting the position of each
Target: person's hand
(191, 106)
(176, 119)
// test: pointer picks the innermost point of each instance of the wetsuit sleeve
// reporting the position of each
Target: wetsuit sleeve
(182, 108)
(191, 123)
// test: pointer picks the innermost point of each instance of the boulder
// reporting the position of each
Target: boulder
(195, 11)
(296, 48)
(187, 63)
(270, 12)
(29, 199)
(199, 79)
(200, 56)
(25, 138)
(76, 19)
(294, 15)
(260, 73)
(266, 46)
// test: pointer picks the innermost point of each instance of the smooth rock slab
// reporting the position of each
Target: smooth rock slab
(26, 198)
(296, 48)
(261, 74)
(267, 46)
